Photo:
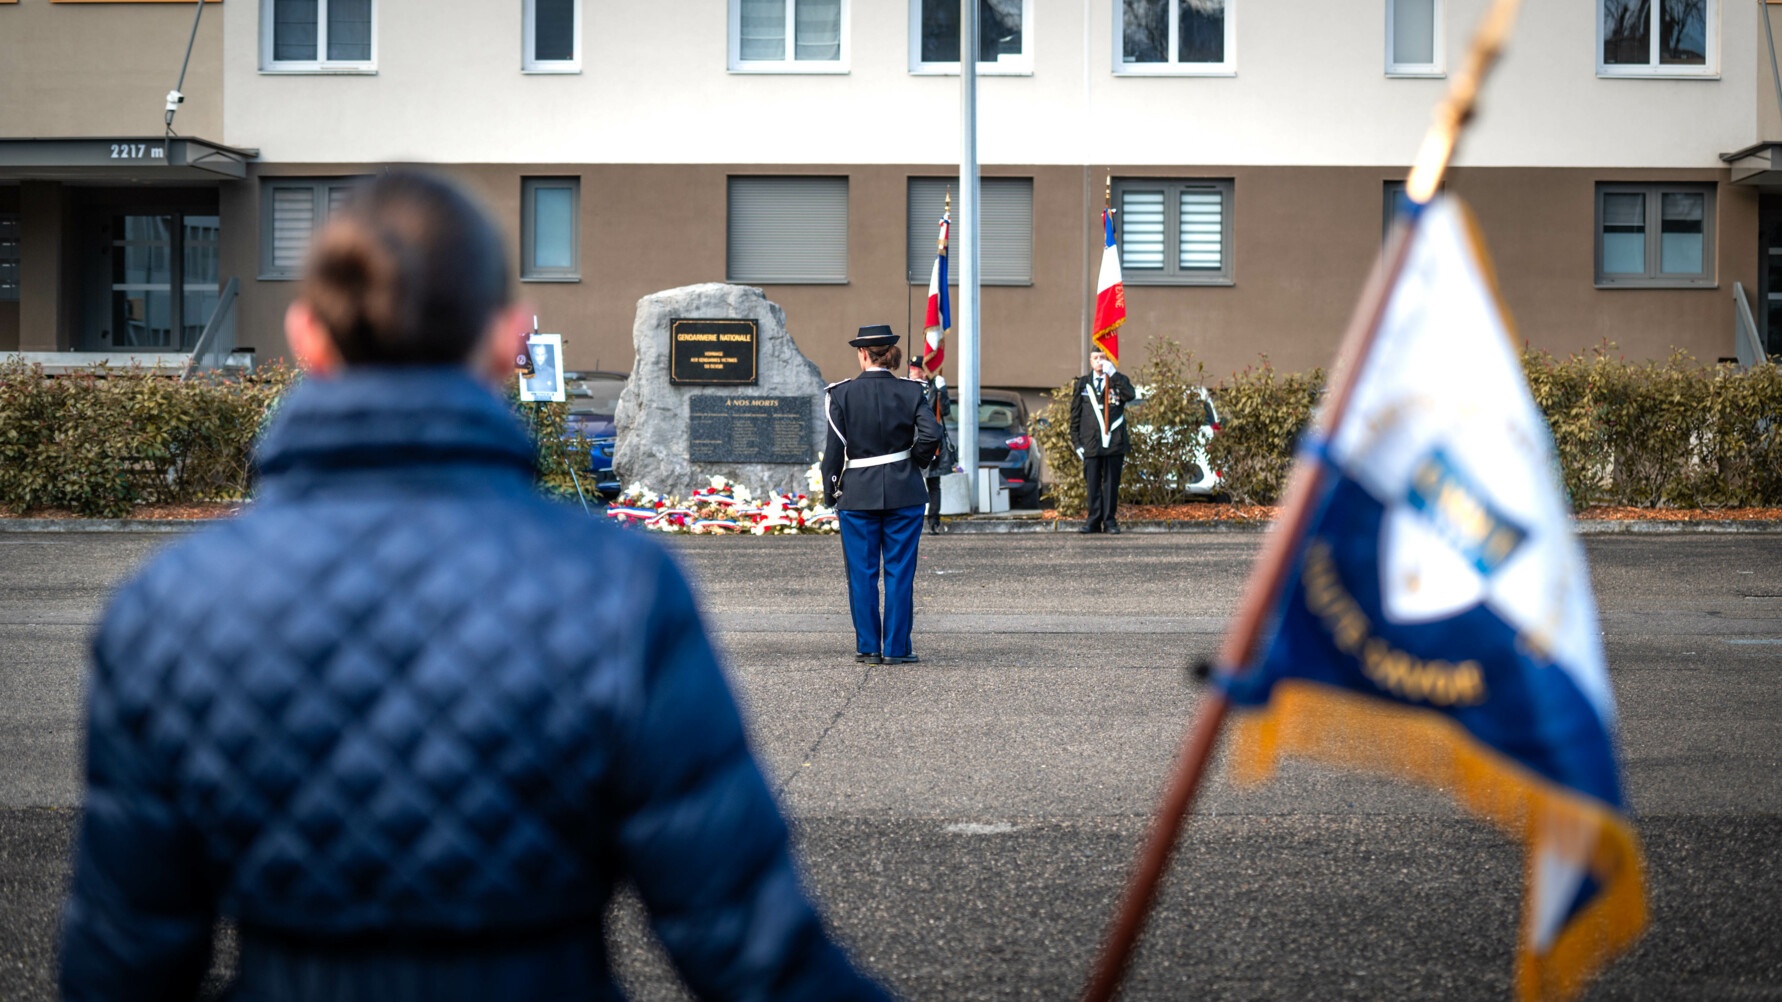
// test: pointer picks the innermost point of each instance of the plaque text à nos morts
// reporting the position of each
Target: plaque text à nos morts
(724, 429)
(712, 352)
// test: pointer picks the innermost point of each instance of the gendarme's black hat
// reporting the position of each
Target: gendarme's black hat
(874, 336)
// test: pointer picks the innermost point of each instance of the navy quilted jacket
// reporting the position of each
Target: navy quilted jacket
(408, 723)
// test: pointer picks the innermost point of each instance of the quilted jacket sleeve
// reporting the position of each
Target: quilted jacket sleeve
(139, 918)
(702, 839)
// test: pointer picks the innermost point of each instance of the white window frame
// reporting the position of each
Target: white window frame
(1438, 68)
(529, 268)
(789, 64)
(1122, 68)
(529, 38)
(1008, 66)
(320, 64)
(1709, 70)
(321, 189)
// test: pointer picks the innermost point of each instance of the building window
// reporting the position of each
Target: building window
(1174, 232)
(291, 209)
(312, 35)
(789, 36)
(1005, 214)
(1396, 203)
(1414, 43)
(1657, 37)
(550, 209)
(1173, 36)
(1654, 235)
(9, 257)
(1003, 45)
(552, 31)
(788, 230)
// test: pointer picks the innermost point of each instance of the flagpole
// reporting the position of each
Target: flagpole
(1262, 592)
(968, 249)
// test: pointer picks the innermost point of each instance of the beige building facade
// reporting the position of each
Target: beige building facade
(1618, 172)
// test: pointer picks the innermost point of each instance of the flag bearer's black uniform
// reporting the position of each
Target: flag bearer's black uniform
(881, 434)
(1098, 428)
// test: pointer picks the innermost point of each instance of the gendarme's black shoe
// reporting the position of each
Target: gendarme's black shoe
(1088, 529)
(908, 659)
(867, 659)
(1112, 530)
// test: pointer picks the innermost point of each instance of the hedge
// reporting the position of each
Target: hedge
(104, 441)
(1671, 433)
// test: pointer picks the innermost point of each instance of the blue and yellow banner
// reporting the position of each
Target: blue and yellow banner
(1437, 622)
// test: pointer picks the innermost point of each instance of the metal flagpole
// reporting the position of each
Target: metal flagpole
(1262, 591)
(968, 247)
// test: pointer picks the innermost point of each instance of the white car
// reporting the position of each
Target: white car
(1203, 479)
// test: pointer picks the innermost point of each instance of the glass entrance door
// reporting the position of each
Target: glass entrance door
(155, 281)
(142, 282)
(1769, 278)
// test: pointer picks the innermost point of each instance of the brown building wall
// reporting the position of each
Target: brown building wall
(1304, 240)
(103, 69)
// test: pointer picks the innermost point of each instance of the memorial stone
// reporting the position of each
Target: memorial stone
(679, 425)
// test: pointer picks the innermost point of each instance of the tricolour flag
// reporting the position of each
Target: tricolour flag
(940, 312)
(1437, 622)
(1110, 294)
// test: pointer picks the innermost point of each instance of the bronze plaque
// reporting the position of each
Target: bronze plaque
(712, 352)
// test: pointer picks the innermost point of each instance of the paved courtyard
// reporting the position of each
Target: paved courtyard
(968, 822)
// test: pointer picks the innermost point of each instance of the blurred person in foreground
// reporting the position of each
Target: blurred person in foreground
(407, 722)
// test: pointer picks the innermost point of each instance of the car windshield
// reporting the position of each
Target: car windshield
(993, 415)
(598, 396)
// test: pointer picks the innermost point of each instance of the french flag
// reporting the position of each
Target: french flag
(1110, 294)
(940, 310)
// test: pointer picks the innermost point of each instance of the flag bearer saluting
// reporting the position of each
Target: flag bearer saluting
(1098, 428)
(881, 435)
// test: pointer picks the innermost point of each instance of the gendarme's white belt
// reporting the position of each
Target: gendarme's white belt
(855, 464)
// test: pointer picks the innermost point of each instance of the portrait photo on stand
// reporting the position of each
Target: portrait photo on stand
(546, 381)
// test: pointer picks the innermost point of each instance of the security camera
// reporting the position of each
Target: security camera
(174, 99)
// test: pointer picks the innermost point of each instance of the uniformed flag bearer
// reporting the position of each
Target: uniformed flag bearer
(882, 433)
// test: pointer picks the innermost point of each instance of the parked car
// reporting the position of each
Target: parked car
(593, 400)
(1203, 480)
(1003, 442)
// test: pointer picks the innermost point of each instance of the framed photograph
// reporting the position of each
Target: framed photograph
(546, 382)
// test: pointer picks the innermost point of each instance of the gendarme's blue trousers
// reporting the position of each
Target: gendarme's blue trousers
(870, 538)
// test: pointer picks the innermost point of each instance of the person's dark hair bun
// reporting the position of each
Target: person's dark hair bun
(408, 272)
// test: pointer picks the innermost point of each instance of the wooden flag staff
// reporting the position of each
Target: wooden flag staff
(1262, 592)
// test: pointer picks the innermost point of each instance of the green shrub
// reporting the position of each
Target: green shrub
(1668, 433)
(105, 440)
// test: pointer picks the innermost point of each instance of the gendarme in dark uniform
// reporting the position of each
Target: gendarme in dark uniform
(882, 433)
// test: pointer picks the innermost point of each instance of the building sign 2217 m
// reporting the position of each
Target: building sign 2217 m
(712, 352)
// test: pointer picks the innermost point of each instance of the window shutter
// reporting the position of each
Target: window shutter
(788, 230)
(1005, 213)
(1006, 219)
(1140, 230)
(293, 220)
(294, 30)
(1202, 230)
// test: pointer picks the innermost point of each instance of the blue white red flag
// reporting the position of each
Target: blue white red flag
(1437, 621)
(940, 312)
(1110, 294)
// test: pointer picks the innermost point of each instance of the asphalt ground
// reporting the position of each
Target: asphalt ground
(967, 822)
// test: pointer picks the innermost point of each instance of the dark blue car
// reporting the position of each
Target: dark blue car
(1003, 442)
(593, 400)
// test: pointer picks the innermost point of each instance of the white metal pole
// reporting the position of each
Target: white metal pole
(968, 246)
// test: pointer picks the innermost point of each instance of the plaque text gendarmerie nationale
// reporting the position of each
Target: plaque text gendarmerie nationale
(725, 429)
(712, 352)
